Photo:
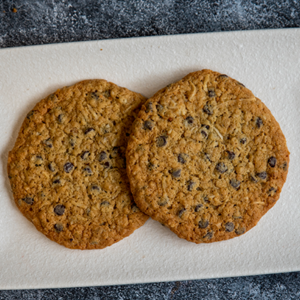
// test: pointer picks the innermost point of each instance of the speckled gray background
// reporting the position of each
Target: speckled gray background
(43, 22)
(33, 22)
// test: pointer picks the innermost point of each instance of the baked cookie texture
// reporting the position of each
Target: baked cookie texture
(68, 170)
(206, 158)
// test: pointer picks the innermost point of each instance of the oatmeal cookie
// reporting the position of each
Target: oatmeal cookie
(68, 170)
(206, 158)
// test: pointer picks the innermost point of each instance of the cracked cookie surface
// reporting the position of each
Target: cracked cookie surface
(68, 170)
(206, 158)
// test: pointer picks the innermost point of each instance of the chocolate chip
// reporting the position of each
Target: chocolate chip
(176, 173)
(203, 224)
(209, 235)
(107, 164)
(48, 142)
(223, 76)
(94, 95)
(88, 170)
(59, 227)
(253, 178)
(243, 140)
(206, 200)
(51, 168)
(30, 114)
(39, 161)
(208, 109)
(102, 156)
(72, 143)
(198, 207)
(95, 188)
(235, 183)
(207, 157)
(204, 133)
(161, 141)
(206, 126)
(85, 154)
(105, 203)
(59, 209)
(151, 166)
(88, 130)
(229, 227)
(259, 123)
(190, 186)
(240, 230)
(28, 200)
(182, 158)
(68, 167)
(163, 202)
(231, 155)
(181, 212)
(106, 93)
(51, 97)
(148, 125)
(56, 181)
(115, 152)
(159, 107)
(284, 166)
(221, 167)
(272, 161)
(60, 118)
(262, 175)
(272, 191)
(211, 92)
(189, 120)
(149, 107)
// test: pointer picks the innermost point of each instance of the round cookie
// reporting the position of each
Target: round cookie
(68, 170)
(206, 158)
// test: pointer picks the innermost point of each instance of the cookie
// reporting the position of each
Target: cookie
(68, 170)
(206, 158)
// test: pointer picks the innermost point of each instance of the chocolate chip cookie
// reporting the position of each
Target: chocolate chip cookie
(68, 169)
(206, 158)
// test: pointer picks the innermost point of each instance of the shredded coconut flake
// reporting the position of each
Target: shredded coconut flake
(218, 132)
(191, 96)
